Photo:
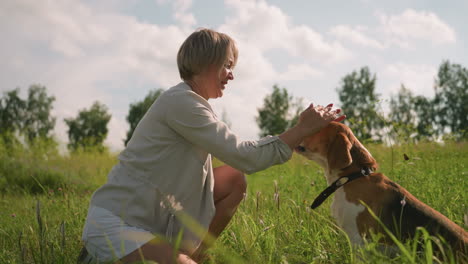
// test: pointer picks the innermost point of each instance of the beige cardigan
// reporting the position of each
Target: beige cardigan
(165, 172)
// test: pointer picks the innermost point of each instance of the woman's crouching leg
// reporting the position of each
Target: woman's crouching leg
(229, 190)
(157, 250)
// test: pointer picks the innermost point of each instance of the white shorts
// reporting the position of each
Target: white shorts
(108, 238)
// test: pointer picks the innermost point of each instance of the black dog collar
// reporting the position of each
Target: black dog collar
(337, 184)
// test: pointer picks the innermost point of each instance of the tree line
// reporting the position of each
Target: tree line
(410, 117)
(29, 121)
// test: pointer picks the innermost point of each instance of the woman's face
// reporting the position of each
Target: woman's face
(216, 80)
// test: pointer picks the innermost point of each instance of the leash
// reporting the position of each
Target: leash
(337, 184)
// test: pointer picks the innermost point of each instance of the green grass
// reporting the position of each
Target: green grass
(44, 200)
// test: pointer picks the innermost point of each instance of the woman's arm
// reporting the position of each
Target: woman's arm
(195, 122)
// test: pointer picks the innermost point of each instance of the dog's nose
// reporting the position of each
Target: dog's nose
(300, 149)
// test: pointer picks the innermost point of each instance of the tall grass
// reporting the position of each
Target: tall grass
(40, 168)
(45, 195)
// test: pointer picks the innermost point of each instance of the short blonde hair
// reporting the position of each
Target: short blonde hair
(204, 48)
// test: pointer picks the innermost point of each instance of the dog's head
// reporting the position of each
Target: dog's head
(335, 148)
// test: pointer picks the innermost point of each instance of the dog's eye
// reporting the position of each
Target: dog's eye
(300, 149)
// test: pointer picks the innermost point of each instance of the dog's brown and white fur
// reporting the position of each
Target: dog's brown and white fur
(339, 153)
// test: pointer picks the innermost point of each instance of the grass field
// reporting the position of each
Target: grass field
(44, 198)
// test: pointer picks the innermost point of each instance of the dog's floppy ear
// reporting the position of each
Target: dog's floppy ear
(339, 152)
(362, 157)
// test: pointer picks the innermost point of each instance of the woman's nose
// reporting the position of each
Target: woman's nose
(230, 75)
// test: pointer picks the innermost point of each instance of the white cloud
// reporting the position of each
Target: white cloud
(412, 25)
(83, 56)
(180, 12)
(296, 72)
(356, 35)
(268, 27)
(419, 78)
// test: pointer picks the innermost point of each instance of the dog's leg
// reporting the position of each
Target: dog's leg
(345, 214)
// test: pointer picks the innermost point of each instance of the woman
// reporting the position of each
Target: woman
(164, 189)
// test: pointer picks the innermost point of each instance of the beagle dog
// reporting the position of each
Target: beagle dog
(349, 170)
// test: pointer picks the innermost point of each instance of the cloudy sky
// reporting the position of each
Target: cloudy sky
(116, 51)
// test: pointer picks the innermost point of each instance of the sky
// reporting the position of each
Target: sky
(116, 51)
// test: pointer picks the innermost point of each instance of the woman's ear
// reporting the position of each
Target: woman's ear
(339, 155)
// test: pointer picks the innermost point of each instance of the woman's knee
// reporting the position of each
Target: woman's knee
(239, 187)
(229, 182)
(240, 182)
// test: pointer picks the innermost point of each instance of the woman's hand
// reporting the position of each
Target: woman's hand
(317, 117)
(311, 121)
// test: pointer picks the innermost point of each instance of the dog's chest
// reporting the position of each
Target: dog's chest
(345, 214)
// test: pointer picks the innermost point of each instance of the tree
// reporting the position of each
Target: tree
(276, 114)
(37, 121)
(11, 112)
(138, 110)
(451, 100)
(413, 116)
(424, 109)
(30, 118)
(89, 128)
(402, 114)
(358, 102)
